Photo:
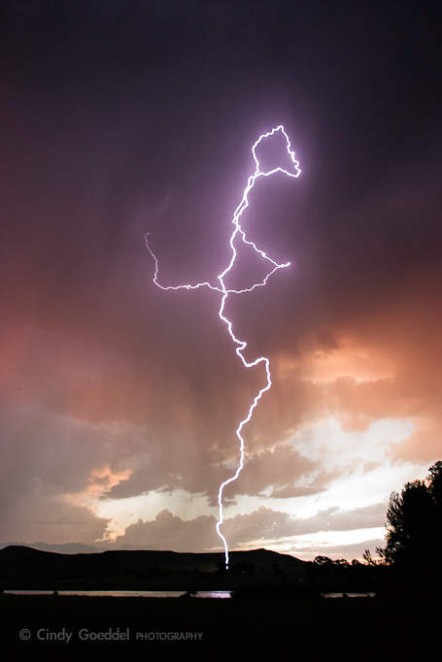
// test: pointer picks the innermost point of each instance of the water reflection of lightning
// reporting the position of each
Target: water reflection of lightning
(239, 235)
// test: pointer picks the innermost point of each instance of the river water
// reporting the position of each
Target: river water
(127, 594)
(165, 594)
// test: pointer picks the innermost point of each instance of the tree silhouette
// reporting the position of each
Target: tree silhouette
(435, 486)
(411, 523)
(414, 530)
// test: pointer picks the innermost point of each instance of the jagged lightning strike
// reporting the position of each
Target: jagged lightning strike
(239, 235)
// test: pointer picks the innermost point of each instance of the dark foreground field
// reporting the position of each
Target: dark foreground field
(157, 629)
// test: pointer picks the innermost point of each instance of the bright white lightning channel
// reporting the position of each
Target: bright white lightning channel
(239, 235)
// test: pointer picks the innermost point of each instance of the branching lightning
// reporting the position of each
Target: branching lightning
(239, 235)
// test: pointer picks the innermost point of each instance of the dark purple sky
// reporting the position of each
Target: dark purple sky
(119, 401)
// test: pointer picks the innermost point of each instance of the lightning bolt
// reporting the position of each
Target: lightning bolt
(239, 236)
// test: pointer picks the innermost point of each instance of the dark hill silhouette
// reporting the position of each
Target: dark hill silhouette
(62, 548)
(23, 567)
